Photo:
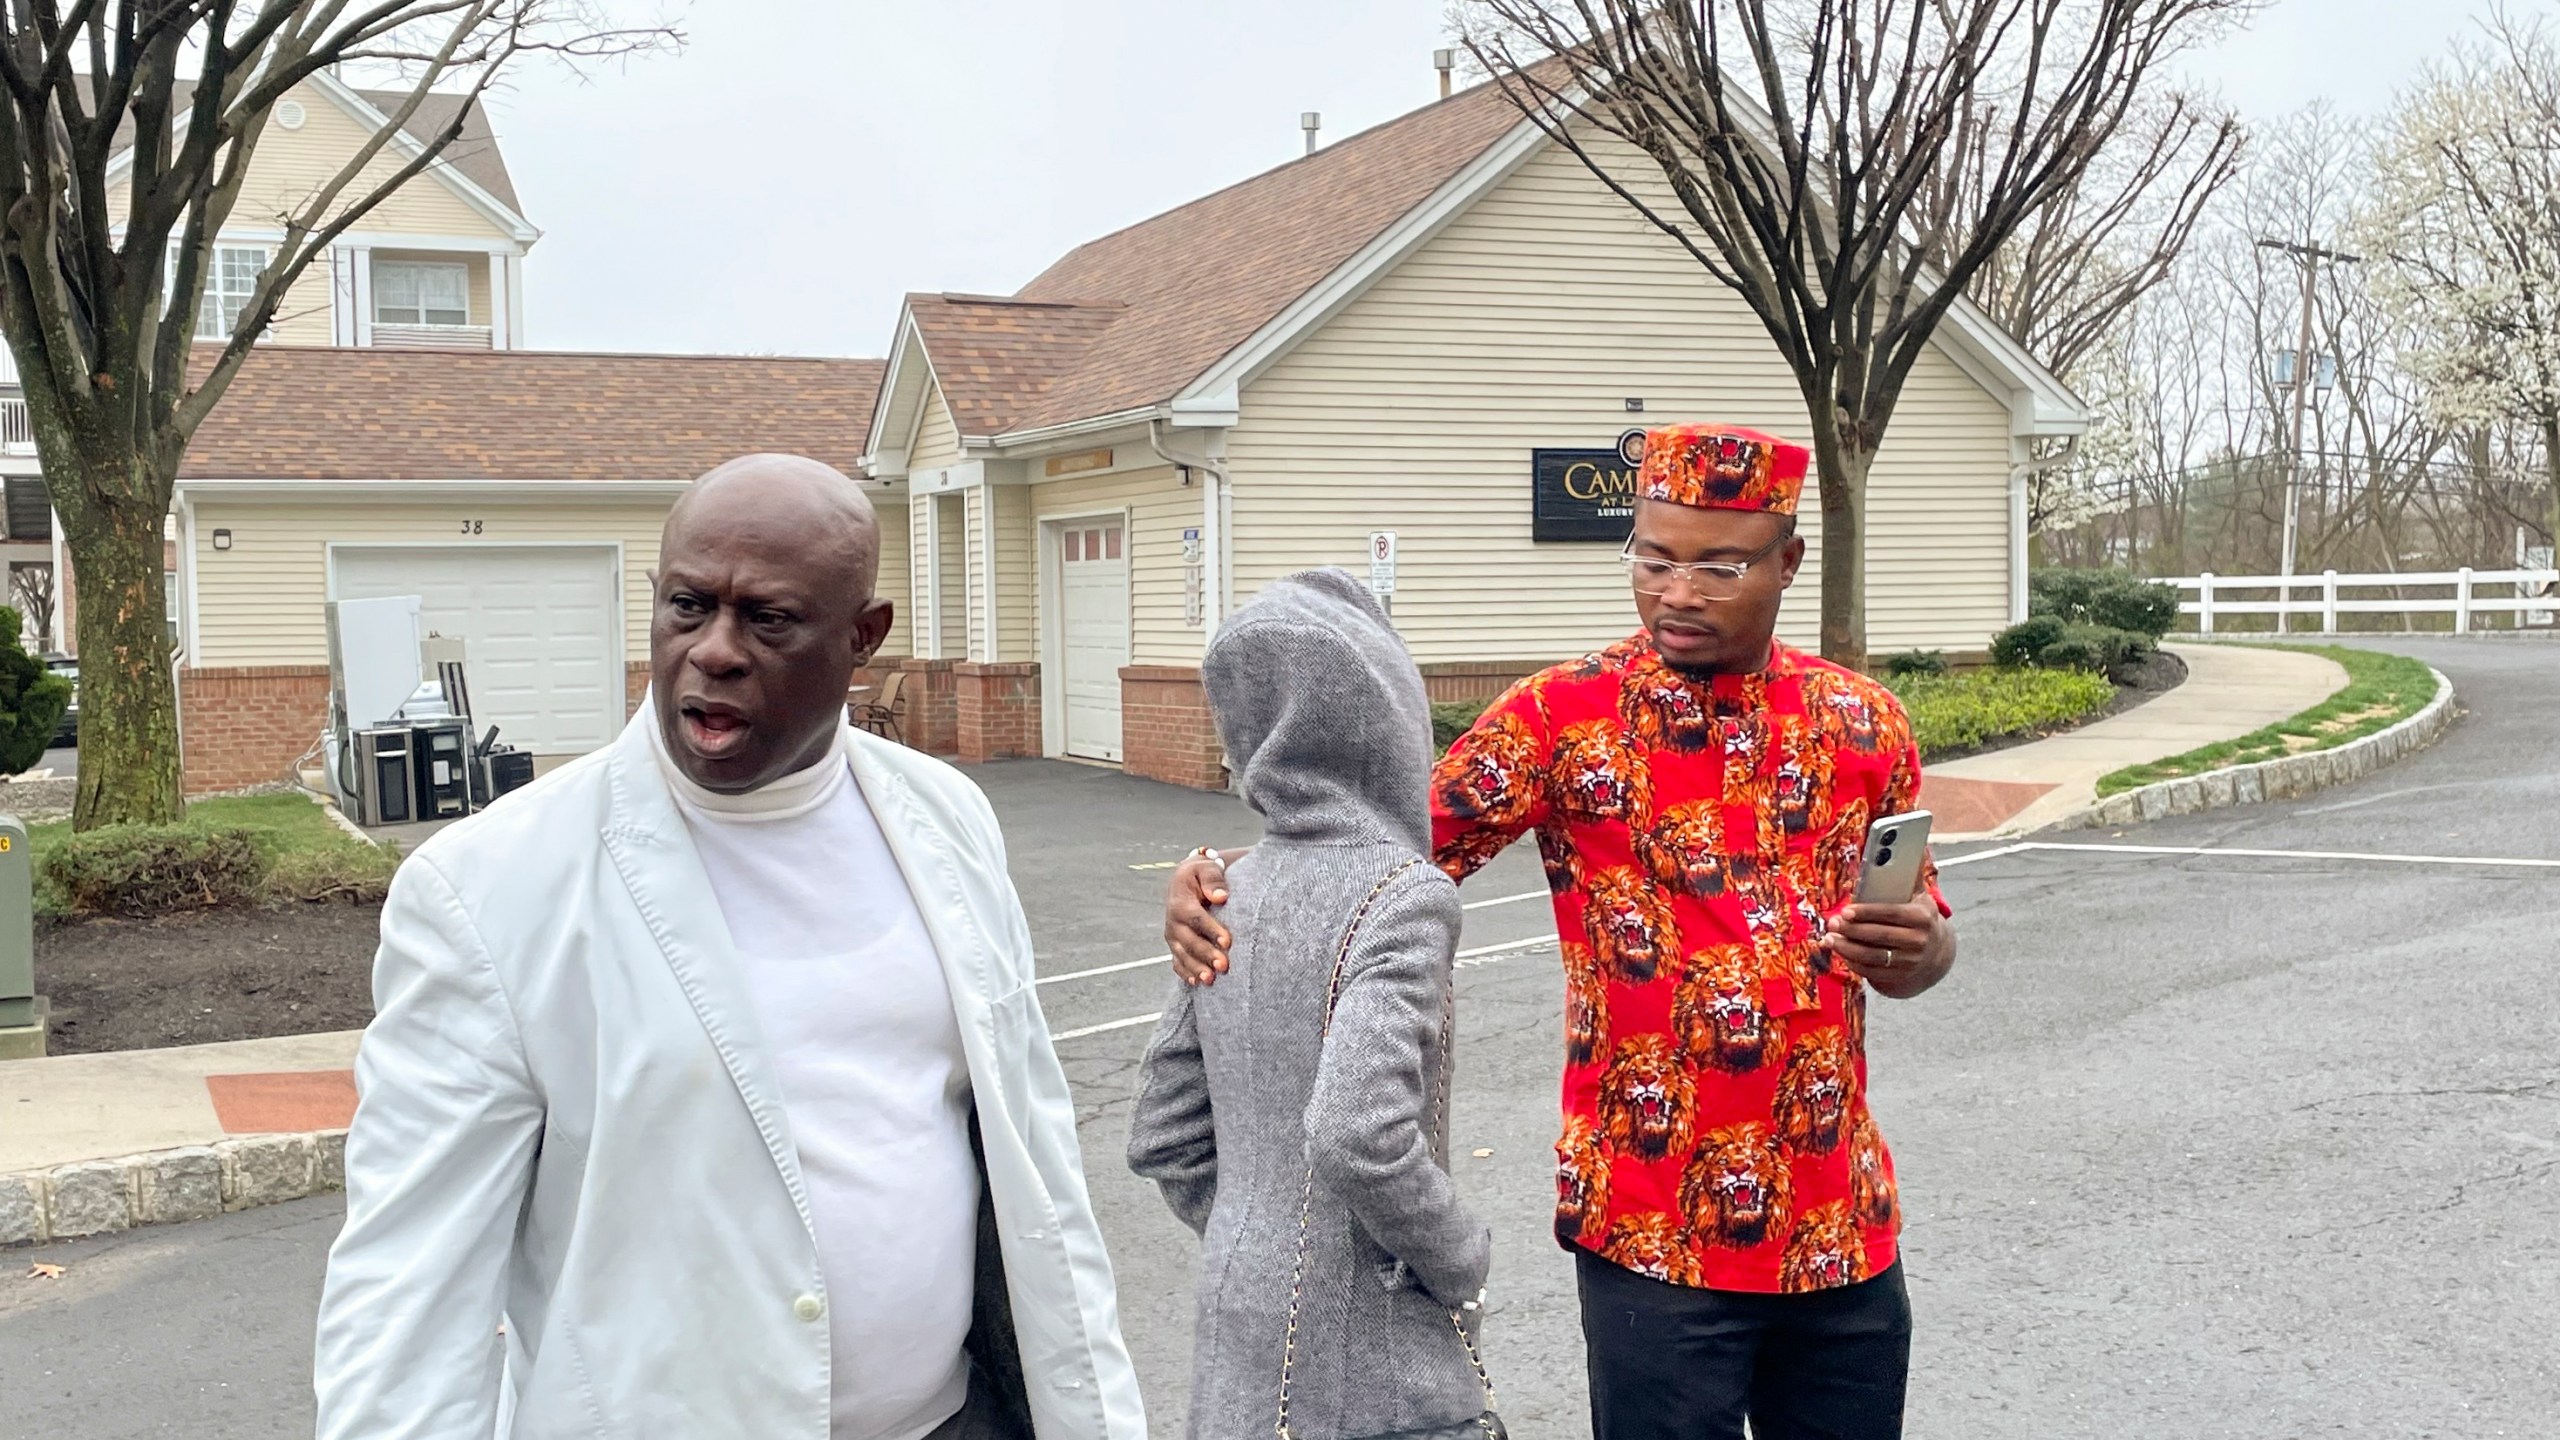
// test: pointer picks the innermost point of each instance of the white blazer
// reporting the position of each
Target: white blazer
(567, 1118)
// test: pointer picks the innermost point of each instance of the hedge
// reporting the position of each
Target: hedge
(1952, 713)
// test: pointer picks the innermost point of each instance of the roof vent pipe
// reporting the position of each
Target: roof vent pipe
(1310, 121)
(1444, 61)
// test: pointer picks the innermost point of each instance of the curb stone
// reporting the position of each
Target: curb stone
(190, 1182)
(2276, 779)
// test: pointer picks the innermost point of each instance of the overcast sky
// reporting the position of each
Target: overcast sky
(800, 164)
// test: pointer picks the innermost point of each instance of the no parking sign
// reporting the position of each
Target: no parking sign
(1382, 563)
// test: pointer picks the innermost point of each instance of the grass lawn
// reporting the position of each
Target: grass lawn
(2382, 690)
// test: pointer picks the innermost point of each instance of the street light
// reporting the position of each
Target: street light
(2311, 254)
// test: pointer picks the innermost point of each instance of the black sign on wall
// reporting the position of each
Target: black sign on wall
(1587, 495)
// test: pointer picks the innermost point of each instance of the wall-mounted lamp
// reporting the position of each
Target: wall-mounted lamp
(221, 539)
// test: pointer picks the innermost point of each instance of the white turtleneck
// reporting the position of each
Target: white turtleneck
(860, 1035)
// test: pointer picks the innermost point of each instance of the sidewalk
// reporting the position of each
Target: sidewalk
(2229, 692)
(95, 1107)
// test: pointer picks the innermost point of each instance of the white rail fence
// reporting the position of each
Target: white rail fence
(2533, 596)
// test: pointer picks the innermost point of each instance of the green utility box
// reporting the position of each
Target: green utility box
(22, 1010)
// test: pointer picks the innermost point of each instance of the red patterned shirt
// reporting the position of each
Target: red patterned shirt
(1696, 833)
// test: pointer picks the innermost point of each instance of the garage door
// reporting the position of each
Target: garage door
(1093, 573)
(541, 628)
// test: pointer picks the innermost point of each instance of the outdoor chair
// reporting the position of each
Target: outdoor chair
(879, 714)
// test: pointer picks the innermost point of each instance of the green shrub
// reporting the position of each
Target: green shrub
(2110, 598)
(153, 869)
(2024, 643)
(32, 700)
(1963, 712)
(1451, 719)
(357, 874)
(1915, 662)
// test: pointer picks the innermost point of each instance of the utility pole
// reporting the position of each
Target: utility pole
(2311, 255)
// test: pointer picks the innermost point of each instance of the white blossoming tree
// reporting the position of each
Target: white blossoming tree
(2463, 229)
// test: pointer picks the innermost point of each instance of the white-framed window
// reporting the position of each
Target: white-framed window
(231, 276)
(417, 292)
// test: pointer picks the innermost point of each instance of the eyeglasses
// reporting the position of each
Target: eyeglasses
(1709, 579)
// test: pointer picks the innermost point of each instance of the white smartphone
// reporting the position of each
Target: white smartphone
(1896, 845)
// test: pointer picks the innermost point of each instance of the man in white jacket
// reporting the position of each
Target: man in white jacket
(708, 1071)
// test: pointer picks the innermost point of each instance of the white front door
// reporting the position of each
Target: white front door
(541, 631)
(1093, 581)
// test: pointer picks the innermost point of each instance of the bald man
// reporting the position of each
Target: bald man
(708, 1069)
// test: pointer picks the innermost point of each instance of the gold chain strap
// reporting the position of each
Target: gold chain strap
(1307, 1192)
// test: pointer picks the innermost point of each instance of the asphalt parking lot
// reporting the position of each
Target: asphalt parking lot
(2249, 1127)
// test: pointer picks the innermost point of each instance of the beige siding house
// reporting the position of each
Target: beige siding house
(519, 494)
(1373, 338)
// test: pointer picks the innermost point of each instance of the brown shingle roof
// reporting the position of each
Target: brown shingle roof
(996, 357)
(1195, 282)
(297, 413)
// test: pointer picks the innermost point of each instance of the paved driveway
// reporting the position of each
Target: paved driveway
(2196, 1144)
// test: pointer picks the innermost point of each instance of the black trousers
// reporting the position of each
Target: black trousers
(1669, 1362)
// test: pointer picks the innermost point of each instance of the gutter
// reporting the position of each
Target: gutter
(1213, 505)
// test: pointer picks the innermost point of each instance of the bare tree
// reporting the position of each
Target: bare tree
(1847, 167)
(117, 175)
(2465, 225)
(32, 586)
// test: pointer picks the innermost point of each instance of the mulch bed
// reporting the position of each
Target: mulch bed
(207, 975)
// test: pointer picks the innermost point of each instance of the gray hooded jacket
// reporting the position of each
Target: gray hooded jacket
(1324, 716)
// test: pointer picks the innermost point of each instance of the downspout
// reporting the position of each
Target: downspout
(2018, 474)
(1213, 507)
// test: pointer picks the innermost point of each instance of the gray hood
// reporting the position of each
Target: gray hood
(1323, 714)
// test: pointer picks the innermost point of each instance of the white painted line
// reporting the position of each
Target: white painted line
(2236, 852)
(1165, 960)
(1486, 954)
(1954, 860)
(1082, 1031)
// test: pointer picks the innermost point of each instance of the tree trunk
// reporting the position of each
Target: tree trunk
(1842, 465)
(129, 771)
(2551, 473)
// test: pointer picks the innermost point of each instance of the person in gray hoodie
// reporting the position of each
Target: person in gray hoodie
(1364, 1280)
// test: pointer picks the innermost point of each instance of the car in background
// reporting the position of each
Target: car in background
(68, 731)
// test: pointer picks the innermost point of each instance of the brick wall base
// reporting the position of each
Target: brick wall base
(635, 686)
(1475, 679)
(1165, 730)
(246, 725)
(998, 710)
(929, 710)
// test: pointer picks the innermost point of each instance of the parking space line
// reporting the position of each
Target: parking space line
(1082, 1031)
(2241, 853)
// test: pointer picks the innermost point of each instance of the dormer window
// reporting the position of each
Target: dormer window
(409, 292)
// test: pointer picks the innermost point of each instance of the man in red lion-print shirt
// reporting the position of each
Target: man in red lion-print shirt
(1701, 794)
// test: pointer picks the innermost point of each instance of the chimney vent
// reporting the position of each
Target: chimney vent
(1310, 121)
(1444, 61)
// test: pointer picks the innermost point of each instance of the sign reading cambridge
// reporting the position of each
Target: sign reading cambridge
(1583, 494)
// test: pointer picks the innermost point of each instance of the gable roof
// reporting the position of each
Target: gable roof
(1128, 320)
(996, 357)
(1184, 307)
(473, 156)
(319, 413)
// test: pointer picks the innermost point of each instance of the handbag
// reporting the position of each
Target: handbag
(1489, 1422)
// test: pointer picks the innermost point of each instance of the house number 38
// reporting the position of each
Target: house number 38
(470, 527)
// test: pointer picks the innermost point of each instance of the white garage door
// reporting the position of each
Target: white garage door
(1093, 573)
(541, 628)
